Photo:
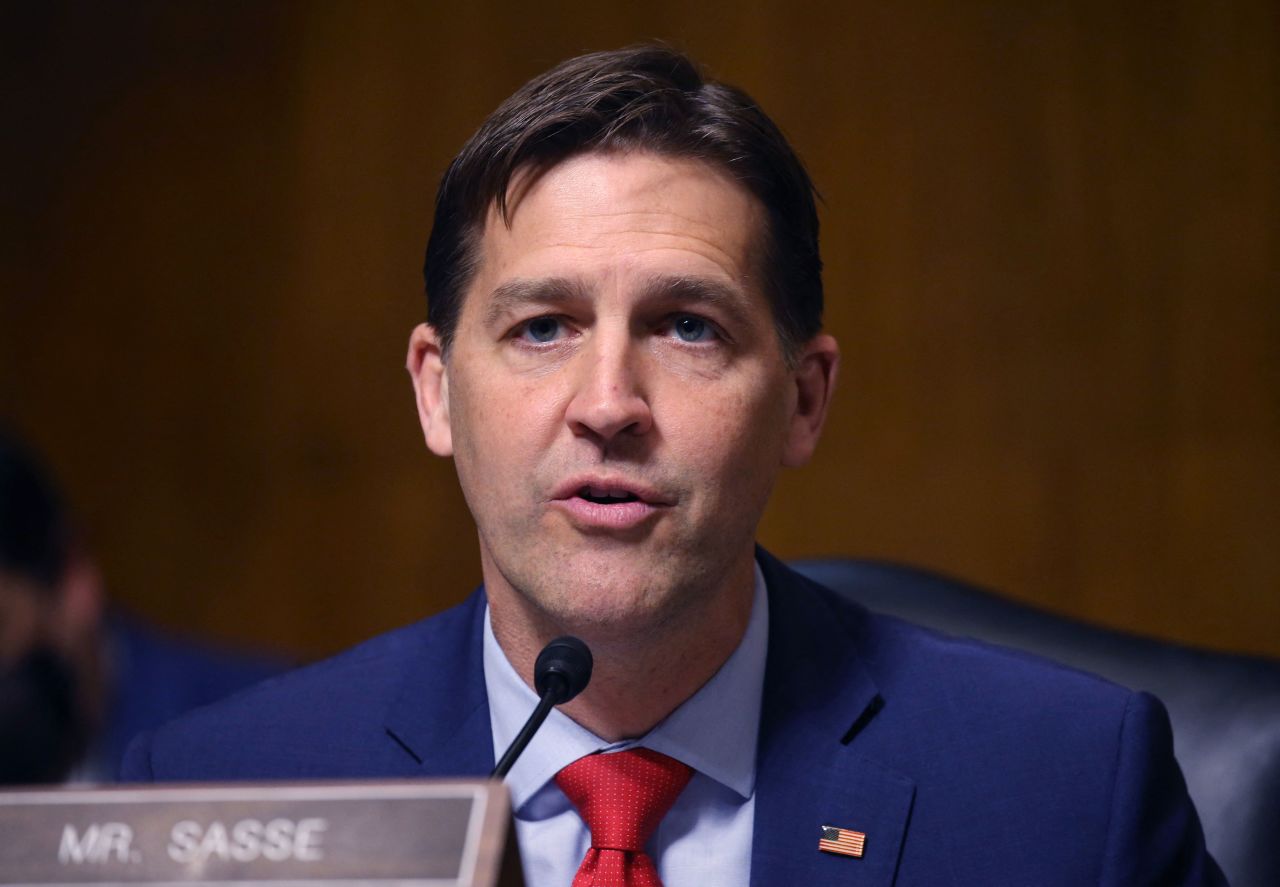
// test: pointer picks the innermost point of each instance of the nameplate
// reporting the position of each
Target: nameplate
(424, 834)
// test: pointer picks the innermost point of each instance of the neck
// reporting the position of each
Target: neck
(642, 672)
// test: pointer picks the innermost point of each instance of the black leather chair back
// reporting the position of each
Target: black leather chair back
(1225, 708)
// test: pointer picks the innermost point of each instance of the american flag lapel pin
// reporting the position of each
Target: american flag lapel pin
(842, 840)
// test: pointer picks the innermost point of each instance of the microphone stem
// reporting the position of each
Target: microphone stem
(545, 704)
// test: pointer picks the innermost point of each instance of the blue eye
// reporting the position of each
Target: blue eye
(542, 329)
(691, 329)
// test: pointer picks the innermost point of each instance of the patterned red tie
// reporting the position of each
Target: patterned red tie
(622, 797)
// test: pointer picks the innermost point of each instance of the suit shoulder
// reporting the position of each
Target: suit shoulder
(981, 727)
(968, 666)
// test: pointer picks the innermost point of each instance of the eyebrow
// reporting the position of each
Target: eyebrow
(698, 290)
(508, 297)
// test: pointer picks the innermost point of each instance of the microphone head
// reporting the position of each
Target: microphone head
(564, 666)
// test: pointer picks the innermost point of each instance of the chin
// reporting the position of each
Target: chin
(608, 589)
(608, 604)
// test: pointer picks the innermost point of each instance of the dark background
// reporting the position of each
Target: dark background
(1051, 232)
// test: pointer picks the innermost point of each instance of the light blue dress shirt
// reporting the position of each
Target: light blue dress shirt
(706, 836)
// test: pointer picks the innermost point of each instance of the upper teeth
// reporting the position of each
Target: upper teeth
(602, 493)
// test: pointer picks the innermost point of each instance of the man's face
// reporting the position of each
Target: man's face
(615, 398)
(47, 702)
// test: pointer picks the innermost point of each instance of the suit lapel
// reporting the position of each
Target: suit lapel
(809, 774)
(440, 716)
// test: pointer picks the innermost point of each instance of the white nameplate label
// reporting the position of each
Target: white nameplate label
(428, 834)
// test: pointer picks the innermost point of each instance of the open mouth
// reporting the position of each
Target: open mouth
(602, 496)
(607, 504)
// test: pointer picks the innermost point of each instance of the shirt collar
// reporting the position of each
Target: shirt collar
(714, 731)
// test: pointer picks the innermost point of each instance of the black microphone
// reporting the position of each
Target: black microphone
(562, 671)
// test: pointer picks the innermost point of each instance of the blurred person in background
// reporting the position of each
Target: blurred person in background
(78, 679)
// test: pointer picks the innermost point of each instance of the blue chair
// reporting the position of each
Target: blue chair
(1225, 708)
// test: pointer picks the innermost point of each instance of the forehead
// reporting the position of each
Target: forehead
(606, 216)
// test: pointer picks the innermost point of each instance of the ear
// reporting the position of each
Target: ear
(814, 378)
(426, 367)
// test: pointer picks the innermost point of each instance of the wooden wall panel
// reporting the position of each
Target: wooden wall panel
(1050, 230)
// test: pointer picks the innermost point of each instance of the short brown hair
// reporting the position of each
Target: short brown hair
(647, 97)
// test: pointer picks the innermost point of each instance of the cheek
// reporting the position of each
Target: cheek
(735, 436)
(502, 427)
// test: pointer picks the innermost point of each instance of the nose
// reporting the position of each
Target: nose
(609, 400)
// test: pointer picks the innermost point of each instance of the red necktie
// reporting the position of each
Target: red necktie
(622, 797)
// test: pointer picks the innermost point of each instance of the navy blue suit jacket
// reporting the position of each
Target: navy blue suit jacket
(962, 763)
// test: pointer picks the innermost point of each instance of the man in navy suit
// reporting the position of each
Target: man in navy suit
(623, 347)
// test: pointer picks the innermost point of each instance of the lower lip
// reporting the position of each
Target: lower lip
(594, 516)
